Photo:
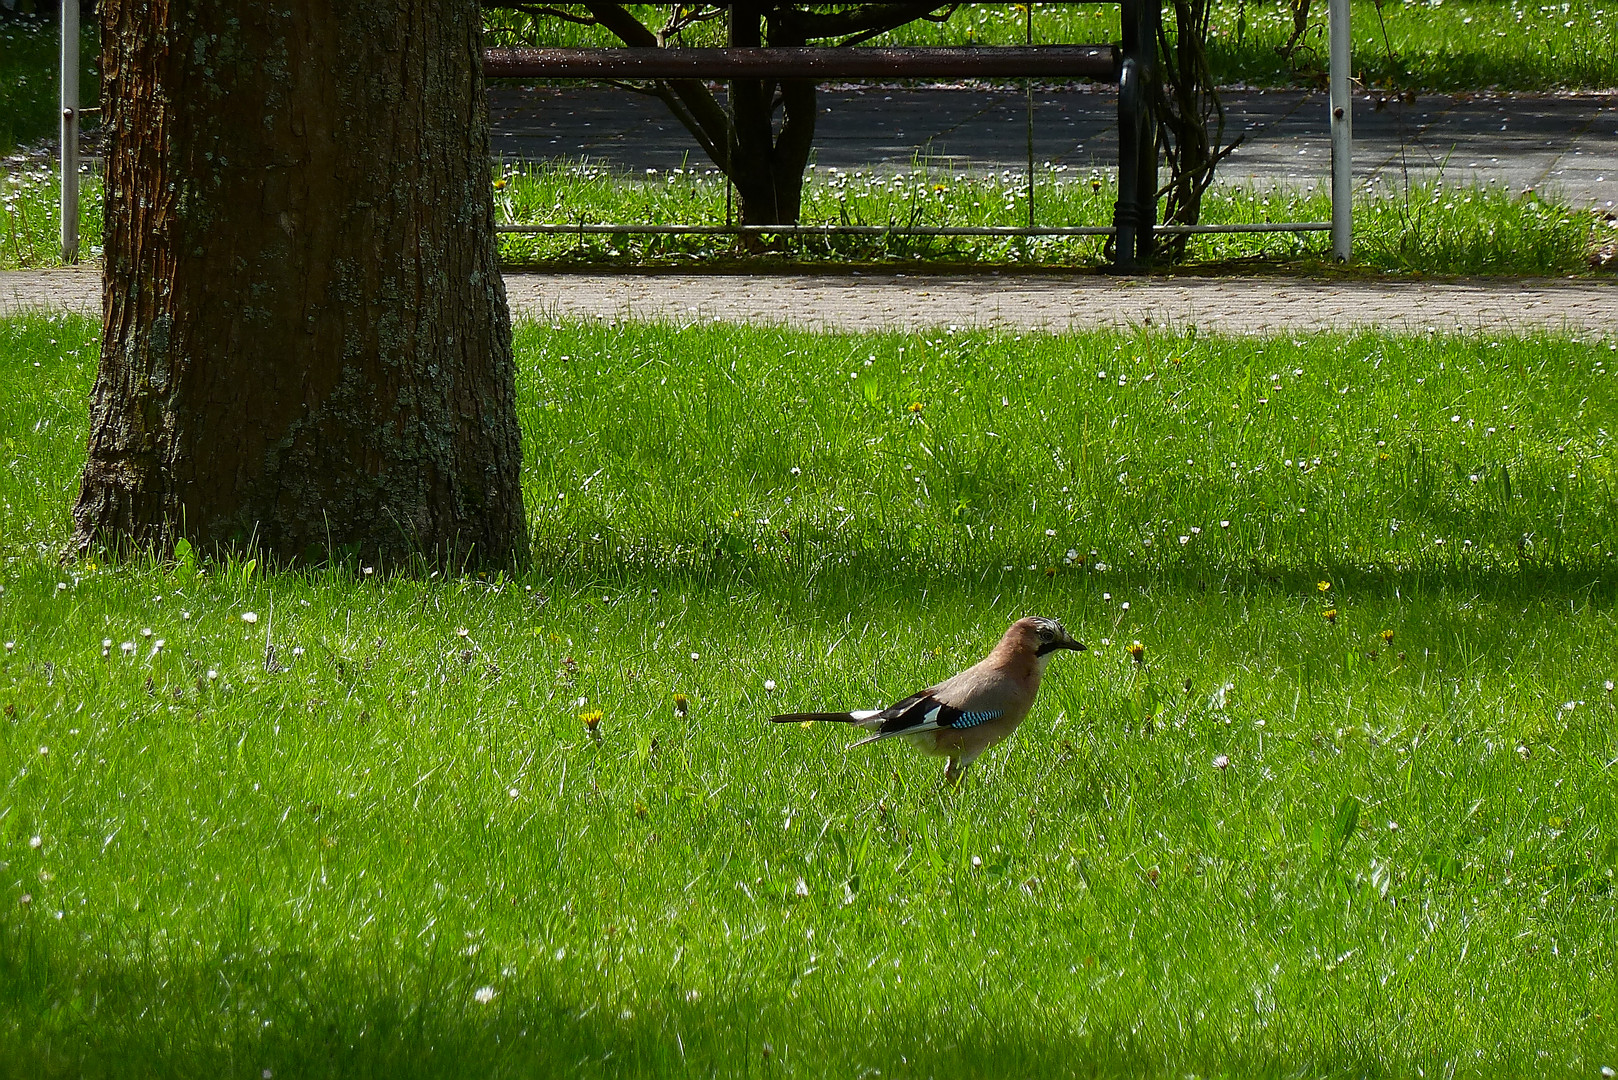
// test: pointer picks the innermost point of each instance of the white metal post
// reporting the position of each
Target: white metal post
(70, 131)
(1342, 134)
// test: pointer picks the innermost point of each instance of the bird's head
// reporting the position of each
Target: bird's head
(1042, 636)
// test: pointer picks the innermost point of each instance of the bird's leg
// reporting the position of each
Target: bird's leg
(954, 771)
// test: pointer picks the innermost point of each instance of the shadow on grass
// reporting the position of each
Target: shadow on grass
(864, 573)
(288, 1014)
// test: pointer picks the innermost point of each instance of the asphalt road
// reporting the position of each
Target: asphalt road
(1556, 144)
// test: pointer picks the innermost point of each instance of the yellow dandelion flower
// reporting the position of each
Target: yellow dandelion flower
(1387, 637)
(1324, 586)
(1137, 651)
(1330, 615)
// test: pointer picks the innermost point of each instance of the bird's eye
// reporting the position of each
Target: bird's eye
(1045, 633)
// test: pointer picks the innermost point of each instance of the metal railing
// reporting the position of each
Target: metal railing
(69, 187)
(1133, 220)
(1077, 61)
(927, 62)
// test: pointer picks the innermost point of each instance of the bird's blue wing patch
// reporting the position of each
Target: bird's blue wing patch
(926, 713)
(973, 719)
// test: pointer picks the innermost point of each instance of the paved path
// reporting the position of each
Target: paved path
(1557, 144)
(1023, 301)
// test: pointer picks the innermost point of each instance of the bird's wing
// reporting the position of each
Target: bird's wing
(923, 712)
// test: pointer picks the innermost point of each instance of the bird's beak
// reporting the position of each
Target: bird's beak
(1071, 643)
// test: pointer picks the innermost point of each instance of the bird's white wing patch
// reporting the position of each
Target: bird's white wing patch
(864, 714)
(931, 717)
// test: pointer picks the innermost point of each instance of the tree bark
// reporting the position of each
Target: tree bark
(306, 349)
(767, 167)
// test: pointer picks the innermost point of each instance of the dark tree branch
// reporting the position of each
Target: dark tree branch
(702, 115)
(616, 18)
(860, 23)
(718, 150)
(761, 138)
(546, 11)
(682, 16)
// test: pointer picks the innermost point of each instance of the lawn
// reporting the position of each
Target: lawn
(30, 85)
(1351, 811)
(1432, 229)
(1429, 229)
(1421, 44)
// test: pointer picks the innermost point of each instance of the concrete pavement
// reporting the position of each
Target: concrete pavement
(1254, 305)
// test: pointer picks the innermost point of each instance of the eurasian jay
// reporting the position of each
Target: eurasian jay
(967, 713)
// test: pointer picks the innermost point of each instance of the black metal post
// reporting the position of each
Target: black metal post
(1136, 211)
(1151, 15)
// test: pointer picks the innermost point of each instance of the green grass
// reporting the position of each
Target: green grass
(1437, 229)
(31, 216)
(30, 87)
(1426, 44)
(1432, 45)
(1434, 228)
(309, 861)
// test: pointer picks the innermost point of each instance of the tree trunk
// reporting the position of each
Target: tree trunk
(306, 348)
(766, 166)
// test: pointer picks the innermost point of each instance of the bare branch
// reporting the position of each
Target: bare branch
(615, 17)
(537, 11)
(865, 21)
(1186, 101)
(683, 15)
(877, 31)
(718, 153)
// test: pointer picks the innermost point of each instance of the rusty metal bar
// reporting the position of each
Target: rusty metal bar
(898, 230)
(1248, 227)
(847, 3)
(1043, 61)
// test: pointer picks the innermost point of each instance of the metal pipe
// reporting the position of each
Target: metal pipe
(896, 230)
(801, 230)
(1252, 227)
(1061, 61)
(1342, 134)
(856, 3)
(1028, 93)
(70, 131)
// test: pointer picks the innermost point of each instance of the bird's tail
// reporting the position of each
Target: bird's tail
(807, 717)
